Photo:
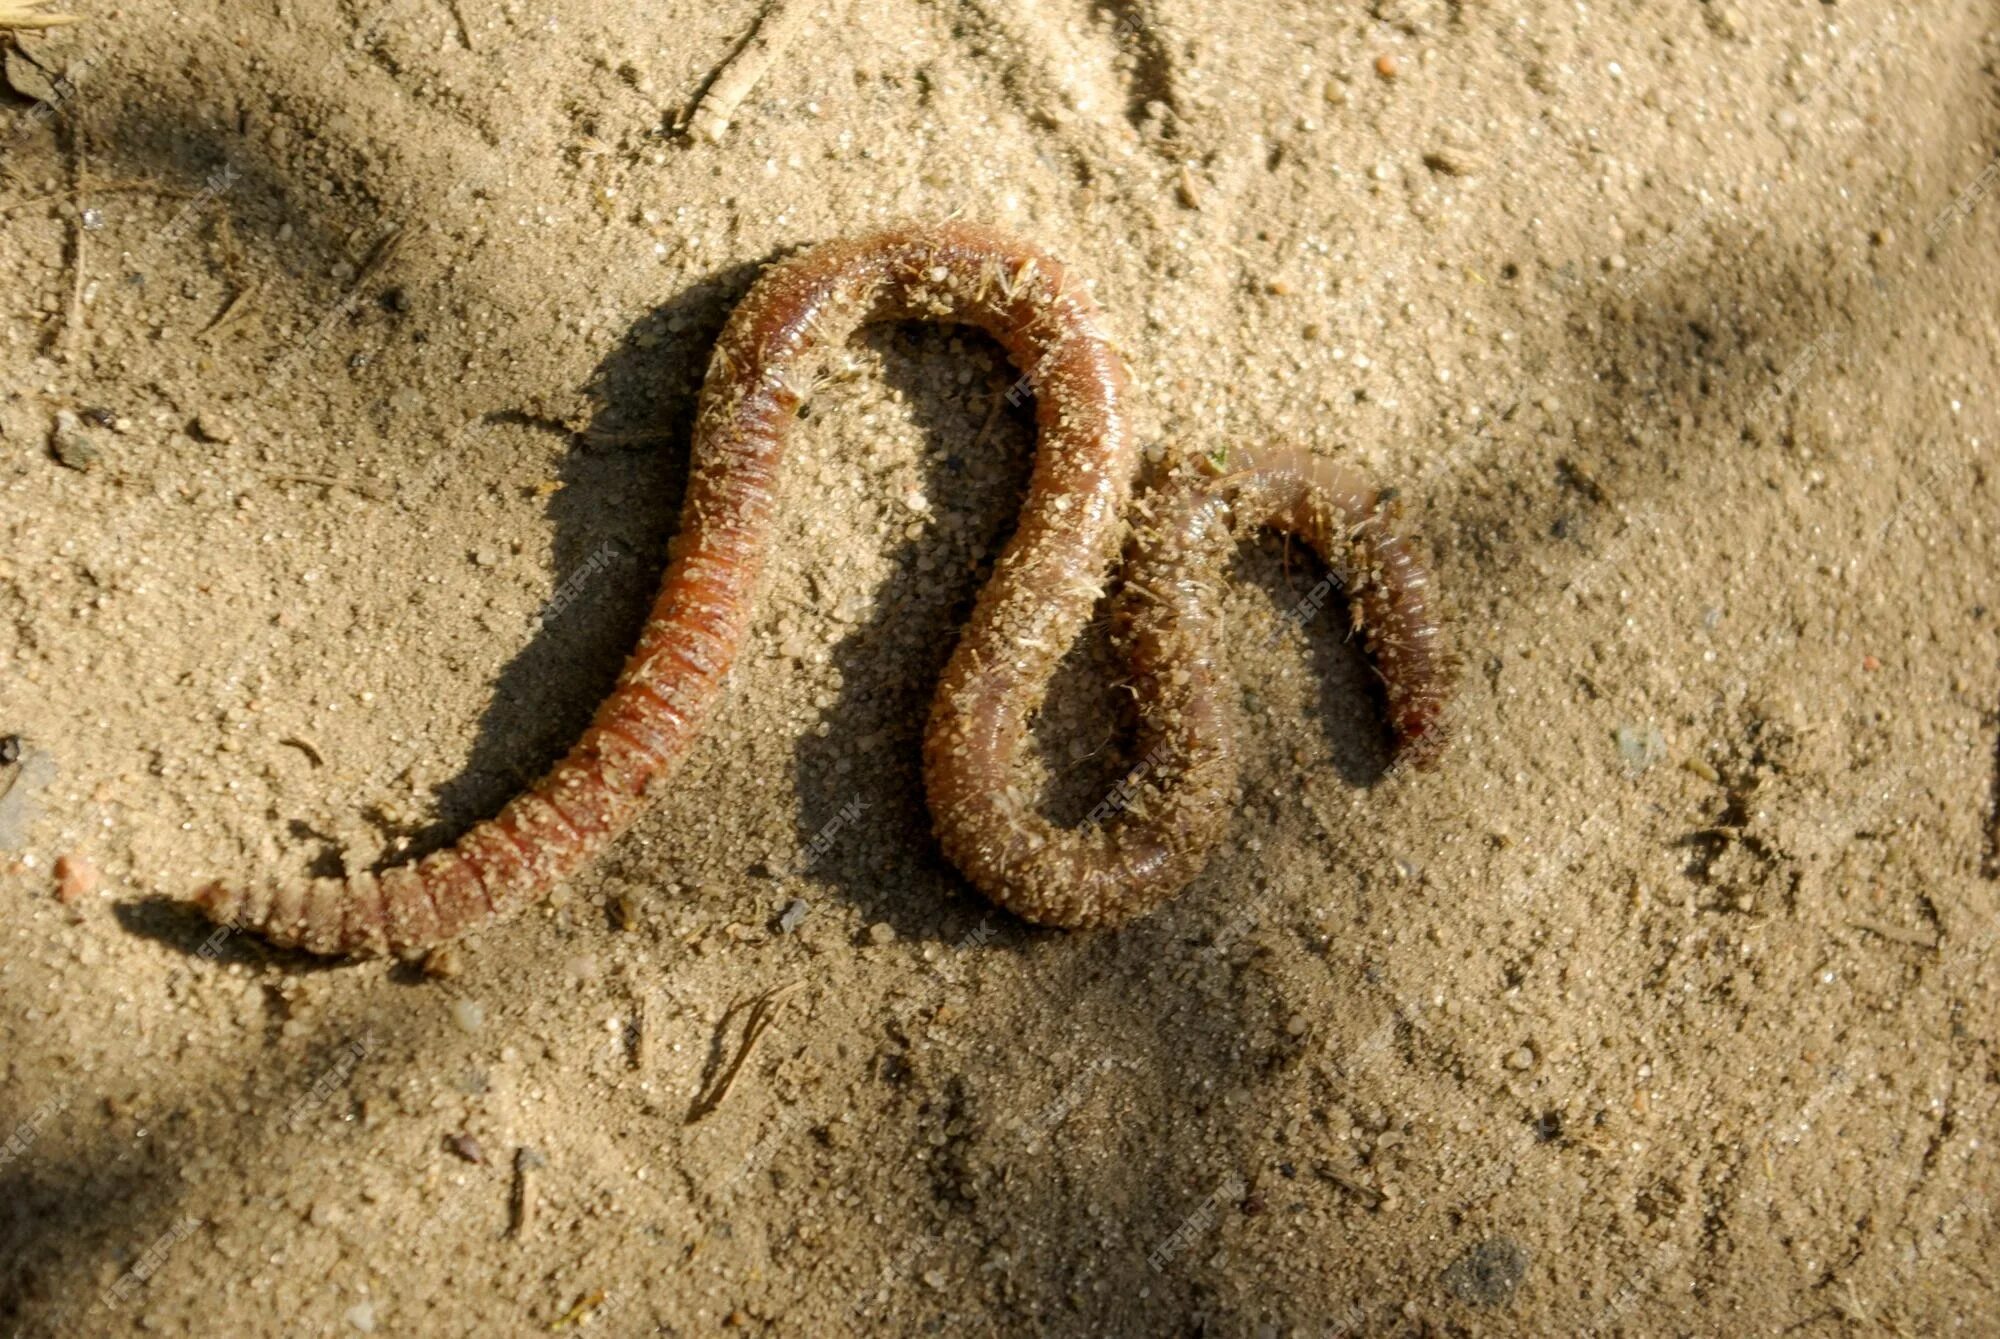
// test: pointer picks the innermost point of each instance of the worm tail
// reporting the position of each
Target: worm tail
(1353, 528)
(1156, 830)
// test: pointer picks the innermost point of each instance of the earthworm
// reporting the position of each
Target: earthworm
(1039, 598)
(1173, 809)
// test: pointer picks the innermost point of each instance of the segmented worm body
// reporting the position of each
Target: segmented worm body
(1038, 600)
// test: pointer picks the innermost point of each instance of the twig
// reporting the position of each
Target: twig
(27, 15)
(385, 251)
(232, 255)
(1896, 933)
(577, 1315)
(1989, 863)
(521, 1201)
(306, 747)
(639, 1038)
(73, 308)
(1370, 1197)
(369, 491)
(13, 205)
(464, 28)
(763, 1012)
(232, 310)
(776, 29)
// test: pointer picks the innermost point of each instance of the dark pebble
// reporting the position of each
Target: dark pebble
(73, 445)
(1487, 1274)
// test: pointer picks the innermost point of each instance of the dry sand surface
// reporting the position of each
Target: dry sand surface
(347, 381)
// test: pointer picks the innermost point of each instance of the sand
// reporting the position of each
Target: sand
(349, 361)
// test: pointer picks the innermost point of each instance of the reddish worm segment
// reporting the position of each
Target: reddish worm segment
(1039, 598)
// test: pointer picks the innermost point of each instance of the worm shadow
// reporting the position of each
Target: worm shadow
(180, 927)
(53, 1205)
(621, 485)
(1351, 707)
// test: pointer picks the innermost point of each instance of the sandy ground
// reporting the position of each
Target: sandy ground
(349, 358)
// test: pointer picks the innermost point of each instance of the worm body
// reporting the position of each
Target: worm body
(1036, 603)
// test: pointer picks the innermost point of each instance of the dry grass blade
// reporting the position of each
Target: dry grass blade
(763, 1012)
(29, 16)
(775, 32)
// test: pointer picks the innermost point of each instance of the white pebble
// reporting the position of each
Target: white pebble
(470, 1015)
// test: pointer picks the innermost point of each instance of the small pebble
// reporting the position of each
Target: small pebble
(1385, 65)
(1296, 1025)
(1188, 190)
(10, 750)
(881, 932)
(210, 427)
(792, 916)
(362, 1317)
(28, 79)
(470, 1015)
(444, 962)
(466, 1147)
(74, 445)
(1522, 1057)
(76, 879)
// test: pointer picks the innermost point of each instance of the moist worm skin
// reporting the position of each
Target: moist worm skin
(1038, 600)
